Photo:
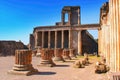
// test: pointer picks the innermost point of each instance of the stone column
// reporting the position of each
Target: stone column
(46, 58)
(58, 55)
(36, 39)
(62, 43)
(43, 33)
(79, 22)
(114, 14)
(55, 39)
(66, 54)
(99, 41)
(49, 36)
(79, 43)
(23, 66)
(70, 39)
(69, 18)
(63, 18)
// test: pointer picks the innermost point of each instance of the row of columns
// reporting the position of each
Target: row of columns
(70, 38)
(109, 37)
(114, 15)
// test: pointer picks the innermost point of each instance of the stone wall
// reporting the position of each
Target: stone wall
(89, 44)
(9, 47)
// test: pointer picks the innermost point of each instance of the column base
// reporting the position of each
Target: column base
(46, 63)
(23, 70)
(27, 73)
(58, 59)
(67, 57)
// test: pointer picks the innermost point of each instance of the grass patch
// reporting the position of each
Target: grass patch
(90, 57)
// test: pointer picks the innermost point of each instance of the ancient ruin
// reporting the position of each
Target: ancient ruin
(9, 47)
(71, 35)
(23, 66)
(62, 38)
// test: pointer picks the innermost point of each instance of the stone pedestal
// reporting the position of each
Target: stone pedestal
(66, 54)
(58, 55)
(72, 54)
(23, 64)
(46, 58)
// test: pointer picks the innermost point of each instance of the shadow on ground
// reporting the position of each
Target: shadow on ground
(62, 66)
(45, 73)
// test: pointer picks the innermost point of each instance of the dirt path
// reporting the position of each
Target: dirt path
(63, 71)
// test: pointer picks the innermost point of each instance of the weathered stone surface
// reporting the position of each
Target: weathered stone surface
(77, 64)
(9, 47)
(66, 54)
(101, 68)
(58, 55)
(46, 58)
(23, 66)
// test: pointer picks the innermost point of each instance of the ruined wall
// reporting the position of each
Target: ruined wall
(75, 41)
(9, 47)
(89, 45)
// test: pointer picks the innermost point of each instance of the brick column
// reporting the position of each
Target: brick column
(114, 6)
(43, 33)
(79, 43)
(49, 36)
(62, 37)
(23, 66)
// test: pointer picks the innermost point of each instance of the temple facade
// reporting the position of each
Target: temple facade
(66, 35)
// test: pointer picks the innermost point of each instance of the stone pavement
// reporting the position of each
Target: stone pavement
(63, 71)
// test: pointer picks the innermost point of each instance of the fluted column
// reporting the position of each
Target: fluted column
(49, 36)
(62, 43)
(114, 6)
(43, 33)
(23, 66)
(79, 43)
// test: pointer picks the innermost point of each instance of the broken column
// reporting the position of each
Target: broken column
(66, 54)
(46, 58)
(23, 66)
(72, 53)
(58, 55)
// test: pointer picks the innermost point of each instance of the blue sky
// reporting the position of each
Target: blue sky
(19, 17)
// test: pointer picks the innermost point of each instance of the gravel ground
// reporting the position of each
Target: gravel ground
(63, 71)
